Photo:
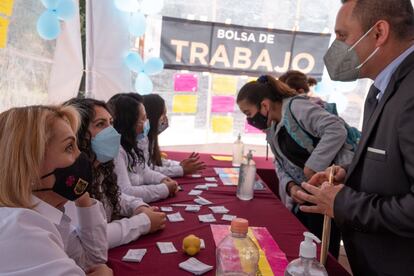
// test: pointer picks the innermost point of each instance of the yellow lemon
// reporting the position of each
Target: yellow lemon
(191, 245)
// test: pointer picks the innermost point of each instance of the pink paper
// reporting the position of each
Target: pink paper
(250, 129)
(222, 104)
(274, 255)
(185, 82)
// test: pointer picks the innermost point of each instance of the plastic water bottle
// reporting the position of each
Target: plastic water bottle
(237, 254)
(238, 148)
(306, 265)
(247, 177)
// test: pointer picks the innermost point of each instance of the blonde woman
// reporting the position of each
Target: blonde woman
(41, 169)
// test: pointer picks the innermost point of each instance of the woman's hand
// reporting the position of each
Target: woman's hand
(293, 189)
(100, 270)
(157, 219)
(192, 164)
(171, 185)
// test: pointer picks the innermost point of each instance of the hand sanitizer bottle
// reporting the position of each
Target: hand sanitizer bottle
(247, 177)
(306, 264)
(238, 148)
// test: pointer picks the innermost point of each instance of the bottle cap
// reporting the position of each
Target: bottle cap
(308, 247)
(239, 226)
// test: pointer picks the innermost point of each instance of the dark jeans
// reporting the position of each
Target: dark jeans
(314, 223)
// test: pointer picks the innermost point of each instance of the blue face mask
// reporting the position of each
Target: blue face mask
(106, 144)
(145, 131)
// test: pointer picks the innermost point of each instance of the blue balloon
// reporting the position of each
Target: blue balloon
(65, 9)
(143, 84)
(127, 5)
(48, 25)
(137, 24)
(50, 4)
(134, 62)
(153, 66)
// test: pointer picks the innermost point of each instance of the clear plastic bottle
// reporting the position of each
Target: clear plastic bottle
(247, 177)
(237, 254)
(306, 264)
(238, 148)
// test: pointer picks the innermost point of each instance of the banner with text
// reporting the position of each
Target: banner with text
(223, 48)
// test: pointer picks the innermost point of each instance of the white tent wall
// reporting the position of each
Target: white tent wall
(107, 41)
(67, 68)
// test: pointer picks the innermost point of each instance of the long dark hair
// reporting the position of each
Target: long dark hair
(104, 179)
(155, 107)
(125, 110)
(265, 87)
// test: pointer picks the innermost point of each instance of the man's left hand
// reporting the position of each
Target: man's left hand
(322, 197)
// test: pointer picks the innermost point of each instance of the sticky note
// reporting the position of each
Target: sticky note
(4, 26)
(222, 158)
(222, 104)
(222, 124)
(6, 7)
(185, 82)
(185, 104)
(224, 85)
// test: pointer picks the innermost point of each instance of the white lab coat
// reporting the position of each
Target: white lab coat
(139, 181)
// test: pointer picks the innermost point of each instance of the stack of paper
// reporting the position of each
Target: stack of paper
(176, 217)
(195, 266)
(166, 247)
(219, 209)
(207, 218)
(195, 192)
(134, 255)
(166, 209)
(202, 201)
(193, 208)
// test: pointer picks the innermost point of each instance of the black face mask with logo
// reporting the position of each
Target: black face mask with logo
(72, 182)
(258, 121)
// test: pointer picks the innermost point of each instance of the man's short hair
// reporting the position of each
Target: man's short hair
(398, 13)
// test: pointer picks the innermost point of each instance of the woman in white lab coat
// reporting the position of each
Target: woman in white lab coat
(41, 169)
(130, 120)
(128, 216)
(157, 116)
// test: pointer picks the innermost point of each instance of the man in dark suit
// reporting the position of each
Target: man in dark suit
(375, 207)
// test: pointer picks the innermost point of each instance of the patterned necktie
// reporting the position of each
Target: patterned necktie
(370, 104)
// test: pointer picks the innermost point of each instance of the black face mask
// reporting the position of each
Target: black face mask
(258, 121)
(72, 182)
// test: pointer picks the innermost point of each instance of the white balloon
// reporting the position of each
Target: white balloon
(152, 6)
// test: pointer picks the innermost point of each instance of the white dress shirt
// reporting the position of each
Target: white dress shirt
(121, 231)
(32, 245)
(139, 181)
(169, 167)
(85, 243)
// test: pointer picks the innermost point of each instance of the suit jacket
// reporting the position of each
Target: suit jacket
(375, 209)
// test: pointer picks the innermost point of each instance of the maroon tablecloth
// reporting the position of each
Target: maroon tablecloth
(264, 210)
(265, 168)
